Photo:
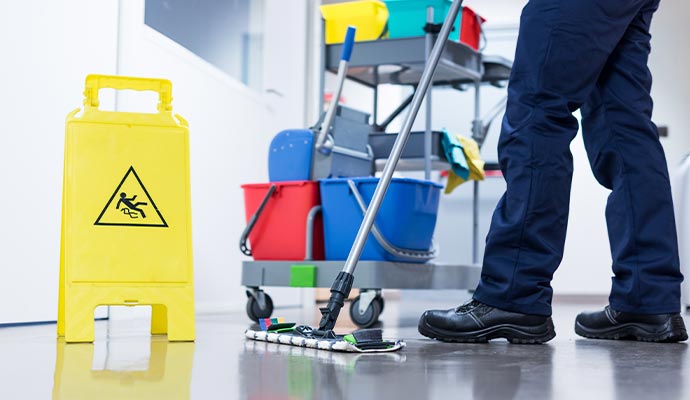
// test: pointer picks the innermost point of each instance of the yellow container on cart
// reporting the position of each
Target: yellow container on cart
(370, 17)
(126, 218)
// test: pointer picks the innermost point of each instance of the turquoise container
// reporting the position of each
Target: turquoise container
(407, 17)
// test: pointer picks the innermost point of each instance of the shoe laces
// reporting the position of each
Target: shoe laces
(469, 306)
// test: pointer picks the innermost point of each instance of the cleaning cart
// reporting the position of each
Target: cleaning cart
(399, 61)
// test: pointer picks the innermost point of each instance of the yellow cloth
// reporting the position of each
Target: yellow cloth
(471, 150)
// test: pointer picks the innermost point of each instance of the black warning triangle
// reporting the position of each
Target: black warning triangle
(131, 205)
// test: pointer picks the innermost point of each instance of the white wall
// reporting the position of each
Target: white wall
(670, 62)
(48, 48)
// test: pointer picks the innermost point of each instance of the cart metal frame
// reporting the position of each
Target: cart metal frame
(401, 62)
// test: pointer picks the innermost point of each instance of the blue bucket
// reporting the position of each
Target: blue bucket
(406, 219)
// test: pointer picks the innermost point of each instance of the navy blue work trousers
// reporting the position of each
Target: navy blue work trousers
(589, 55)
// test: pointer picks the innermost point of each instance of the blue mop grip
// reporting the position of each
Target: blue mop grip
(349, 42)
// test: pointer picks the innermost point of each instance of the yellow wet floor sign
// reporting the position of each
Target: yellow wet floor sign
(126, 219)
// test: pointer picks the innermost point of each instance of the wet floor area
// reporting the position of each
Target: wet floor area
(126, 363)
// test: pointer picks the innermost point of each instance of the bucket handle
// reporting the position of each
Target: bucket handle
(311, 221)
(408, 254)
(94, 83)
(482, 33)
(252, 221)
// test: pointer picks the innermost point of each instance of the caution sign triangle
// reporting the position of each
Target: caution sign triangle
(131, 205)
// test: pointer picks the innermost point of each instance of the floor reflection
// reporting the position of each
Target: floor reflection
(488, 371)
(124, 370)
(424, 370)
(269, 370)
(642, 370)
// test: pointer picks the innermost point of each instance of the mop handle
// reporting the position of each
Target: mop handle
(400, 141)
(340, 79)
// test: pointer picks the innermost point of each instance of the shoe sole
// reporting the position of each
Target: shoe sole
(670, 332)
(516, 334)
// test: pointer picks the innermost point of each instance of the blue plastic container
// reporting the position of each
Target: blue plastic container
(290, 155)
(407, 18)
(406, 219)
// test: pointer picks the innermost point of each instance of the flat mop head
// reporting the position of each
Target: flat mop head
(362, 341)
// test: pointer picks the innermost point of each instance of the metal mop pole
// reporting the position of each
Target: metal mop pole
(429, 42)
(475, 192)
(343, 283)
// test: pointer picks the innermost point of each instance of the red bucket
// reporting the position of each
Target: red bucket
(281, 227)
(471, 27)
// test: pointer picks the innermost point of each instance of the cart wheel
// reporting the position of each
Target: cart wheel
(382, 303)
(370, 316)
(254, 311)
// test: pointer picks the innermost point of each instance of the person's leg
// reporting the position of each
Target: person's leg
(626, 156)
(562, 49)
(138, 208)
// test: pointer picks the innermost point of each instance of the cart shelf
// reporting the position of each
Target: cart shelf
(401, 62)
(370, 274)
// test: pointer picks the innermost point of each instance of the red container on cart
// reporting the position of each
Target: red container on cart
(471, 27)
(281, 227)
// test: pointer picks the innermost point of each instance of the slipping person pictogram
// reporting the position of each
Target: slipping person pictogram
(131, 204)
(132, 209)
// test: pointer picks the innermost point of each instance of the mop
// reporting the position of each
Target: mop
(364, 340)
(361, 341)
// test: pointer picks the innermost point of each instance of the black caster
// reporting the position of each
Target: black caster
(255, 311)
(382, 303)
(370, 315)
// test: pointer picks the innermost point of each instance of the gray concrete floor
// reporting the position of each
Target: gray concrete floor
(126, 363)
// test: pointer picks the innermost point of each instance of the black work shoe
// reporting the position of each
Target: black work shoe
(476, 322)
(616, 325)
